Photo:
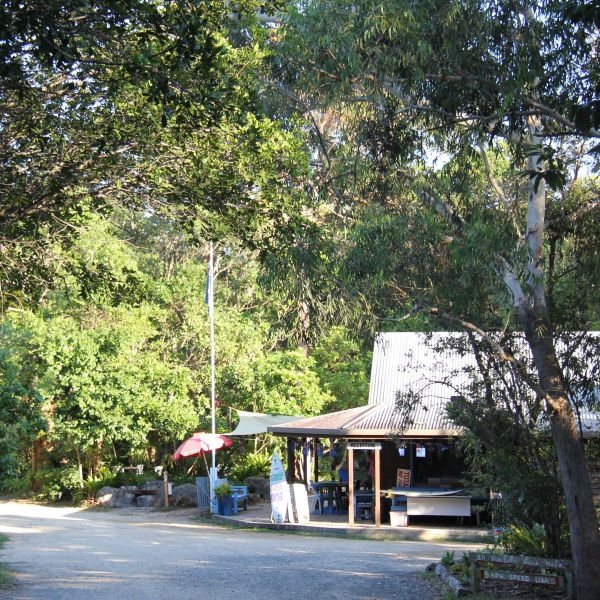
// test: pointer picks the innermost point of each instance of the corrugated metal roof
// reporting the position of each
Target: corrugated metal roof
(415, 361)
(407, 362)
(326, 425)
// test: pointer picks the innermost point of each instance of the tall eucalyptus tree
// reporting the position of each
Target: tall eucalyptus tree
(440, 78)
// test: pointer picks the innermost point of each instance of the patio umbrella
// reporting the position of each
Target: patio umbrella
(201, 442)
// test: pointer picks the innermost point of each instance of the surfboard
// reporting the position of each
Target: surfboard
(301, 503)
(280, 491)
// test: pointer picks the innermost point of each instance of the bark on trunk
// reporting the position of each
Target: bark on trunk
(583, 523)
(534, 318)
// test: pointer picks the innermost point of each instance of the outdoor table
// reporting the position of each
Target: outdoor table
(434, 502)
(330, 491)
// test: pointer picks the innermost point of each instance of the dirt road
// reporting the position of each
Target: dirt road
(63, 553)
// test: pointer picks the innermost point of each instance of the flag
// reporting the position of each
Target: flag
(209, 290)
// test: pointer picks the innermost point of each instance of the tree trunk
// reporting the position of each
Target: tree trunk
(534, 318)
(79, 467)
(583, 523)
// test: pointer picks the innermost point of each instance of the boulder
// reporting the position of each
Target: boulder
(253, 498)
(159, 499)
(107, 495)
(145, 501)
(184, 495)
(115, 497)
(124, 498)
(152, 485)
(259, 485)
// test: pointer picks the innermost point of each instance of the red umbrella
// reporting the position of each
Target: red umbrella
(201, 442)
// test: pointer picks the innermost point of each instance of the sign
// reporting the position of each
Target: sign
(553, 580)
(403, 478)
(364, 445)
(478, 573)
(280, 491)
(521, 561)
(300, 503)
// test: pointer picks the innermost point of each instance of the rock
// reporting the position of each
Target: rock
(431, 568)
(259, 485)
(124, 498)
(184, 495)
(152, 485)
(115, 497)
(106, 495)
(253, 498)
(145, 501)
(454, 583)
(159, 499)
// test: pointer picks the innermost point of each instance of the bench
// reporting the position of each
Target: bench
(240, 496)
(150, 492)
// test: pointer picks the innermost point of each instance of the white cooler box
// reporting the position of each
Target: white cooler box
(398, 518)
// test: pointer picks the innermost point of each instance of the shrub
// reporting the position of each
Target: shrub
(251, 465)
(520, 539)
(58, 484)
(223, 490)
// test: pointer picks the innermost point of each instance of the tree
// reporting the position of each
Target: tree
(136, 105)
(459, 79)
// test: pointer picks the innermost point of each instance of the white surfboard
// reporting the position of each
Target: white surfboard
(301, 502)
(280, 491)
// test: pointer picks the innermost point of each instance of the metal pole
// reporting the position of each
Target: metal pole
(211, 313)
(212, 351)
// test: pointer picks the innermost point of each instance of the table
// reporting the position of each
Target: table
(431, 502)
(330, 492)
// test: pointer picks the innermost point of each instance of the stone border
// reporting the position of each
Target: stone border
(401, 534)
(454, 584)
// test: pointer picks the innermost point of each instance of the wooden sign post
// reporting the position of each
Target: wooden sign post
(166, 482)
(478, 573)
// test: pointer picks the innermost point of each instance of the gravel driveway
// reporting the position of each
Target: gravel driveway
(65, 553)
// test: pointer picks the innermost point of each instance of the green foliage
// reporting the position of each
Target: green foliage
(448, 559)
(250, 465)
(459, 569)
(282, 382)
(521, 539)
(343, 367)
(20, 411)
(57, 484)
(5, 576)
(91, 485)
(223, 489)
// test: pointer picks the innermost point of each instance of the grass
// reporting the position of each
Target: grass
(6, 577)
(95, 508)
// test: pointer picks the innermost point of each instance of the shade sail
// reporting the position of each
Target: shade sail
(201, 442)
(253, 423)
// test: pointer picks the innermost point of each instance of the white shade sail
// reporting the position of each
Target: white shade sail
(253, 423)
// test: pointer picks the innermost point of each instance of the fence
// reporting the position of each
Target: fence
(203, 492)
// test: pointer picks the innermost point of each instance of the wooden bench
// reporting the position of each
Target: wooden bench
(150, 492)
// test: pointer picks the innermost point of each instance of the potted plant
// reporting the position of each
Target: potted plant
(224, 494)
